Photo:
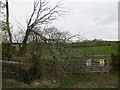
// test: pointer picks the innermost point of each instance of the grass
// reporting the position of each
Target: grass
(98, 50)
(89, 80)
(72, 79)
(11, 83)
(42, 86)
(82, 80)
(81, 52)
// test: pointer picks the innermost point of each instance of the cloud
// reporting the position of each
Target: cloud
(97, 18)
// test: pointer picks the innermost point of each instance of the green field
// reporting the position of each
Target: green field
(99, 50)
(81, 52)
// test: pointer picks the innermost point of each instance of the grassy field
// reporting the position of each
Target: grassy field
(83, 80)
(90, 80)
(81, 52)
(99, 50)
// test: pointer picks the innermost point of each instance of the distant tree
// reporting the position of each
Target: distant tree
(53, 34)
(18, 36)
(2, 13)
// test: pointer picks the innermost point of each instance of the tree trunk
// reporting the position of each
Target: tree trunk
(24, 42)
(7, 23)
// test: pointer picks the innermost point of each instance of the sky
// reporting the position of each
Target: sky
(91, 18)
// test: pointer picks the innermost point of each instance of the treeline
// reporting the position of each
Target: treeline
(93, 43)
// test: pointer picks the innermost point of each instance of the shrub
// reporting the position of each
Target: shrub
(115, 62)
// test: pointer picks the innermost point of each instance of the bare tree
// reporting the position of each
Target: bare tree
(2, 13)
(16, 38)
(42, 14)
(7, 23)
(55, 35)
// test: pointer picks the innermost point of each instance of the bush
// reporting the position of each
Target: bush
(115, 62)
(34, 71)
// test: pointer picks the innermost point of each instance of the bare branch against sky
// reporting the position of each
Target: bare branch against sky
(98, 17)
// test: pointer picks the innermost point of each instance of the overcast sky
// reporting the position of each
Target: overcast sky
(97, 18)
